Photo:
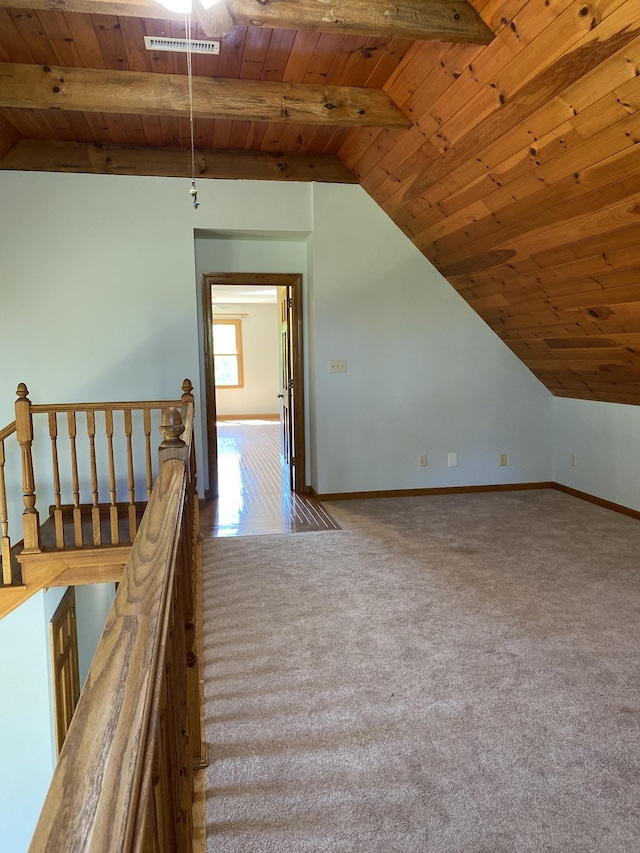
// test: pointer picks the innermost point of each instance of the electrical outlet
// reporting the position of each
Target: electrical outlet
(503, 459)
(422, 459)
(452, 460)
(573, 459)
(337, 365)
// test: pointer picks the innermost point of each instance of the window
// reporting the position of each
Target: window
(227, 353)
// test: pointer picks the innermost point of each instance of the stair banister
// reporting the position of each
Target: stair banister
(78, 542)
(24, 433)
(124, 779)
(173, 446)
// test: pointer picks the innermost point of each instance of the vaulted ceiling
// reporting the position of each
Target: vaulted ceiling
(502, 137)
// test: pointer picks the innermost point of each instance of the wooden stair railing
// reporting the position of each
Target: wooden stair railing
(79, 542)
(124, 779)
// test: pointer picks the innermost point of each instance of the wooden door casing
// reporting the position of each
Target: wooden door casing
(64, 664)
(291, 282)
(287, 404)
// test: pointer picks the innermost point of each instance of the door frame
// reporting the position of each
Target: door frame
(65, 665)
(293, 282)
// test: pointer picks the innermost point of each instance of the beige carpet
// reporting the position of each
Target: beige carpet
(451, 673)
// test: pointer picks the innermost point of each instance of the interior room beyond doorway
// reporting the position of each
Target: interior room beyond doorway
(255, 349)
(254, 360)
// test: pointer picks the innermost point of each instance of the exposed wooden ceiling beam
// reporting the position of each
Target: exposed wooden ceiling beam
(127, 8)
(441, 20)
(145, 93)
(42, 156)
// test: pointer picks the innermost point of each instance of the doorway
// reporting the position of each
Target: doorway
(291, 393)
(64, 664)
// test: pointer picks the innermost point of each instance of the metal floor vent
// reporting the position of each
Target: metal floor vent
(180, 45)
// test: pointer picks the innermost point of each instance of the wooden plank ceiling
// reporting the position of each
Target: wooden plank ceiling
(513, 163)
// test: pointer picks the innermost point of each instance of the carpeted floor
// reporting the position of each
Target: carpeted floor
(452, 673)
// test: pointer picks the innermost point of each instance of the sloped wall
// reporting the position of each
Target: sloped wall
(424, 372)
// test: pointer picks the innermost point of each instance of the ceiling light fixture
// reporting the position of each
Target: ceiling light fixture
(193, 192)
(214, 22)
(185, 7)
(212, 15)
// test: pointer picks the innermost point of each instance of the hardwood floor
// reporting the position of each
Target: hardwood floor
(254, 495)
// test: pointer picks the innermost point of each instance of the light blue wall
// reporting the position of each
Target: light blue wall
(101, 300)
(27, 733)
(112, 260)
(258, 251)
(123, 258)
(26, 749)
(93, 603)
(424, 373)
(605, 439)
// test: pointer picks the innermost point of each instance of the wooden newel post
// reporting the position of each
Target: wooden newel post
(24, 434)
(171, 427)
(187, 392)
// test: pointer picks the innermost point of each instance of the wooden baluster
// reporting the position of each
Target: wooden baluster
(113, 507)
(196, 680)
(95, 503)
(173, 743)
(196, 694)
(153, 841)
(187, 556)
(57, 492)
(5, 543)
(128, 430)
(179, 723)
(24, 433)
(147, 437)
(145, 832)
(146, 838)
(75, 482)
(164, 793)
(183, 732)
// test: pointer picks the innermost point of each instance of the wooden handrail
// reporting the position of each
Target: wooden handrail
(113, 789)
(45, 408)
(7, 431)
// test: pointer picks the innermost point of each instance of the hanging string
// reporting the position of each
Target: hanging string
(193, 191)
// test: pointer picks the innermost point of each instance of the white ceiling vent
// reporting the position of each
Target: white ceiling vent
(180, 45)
